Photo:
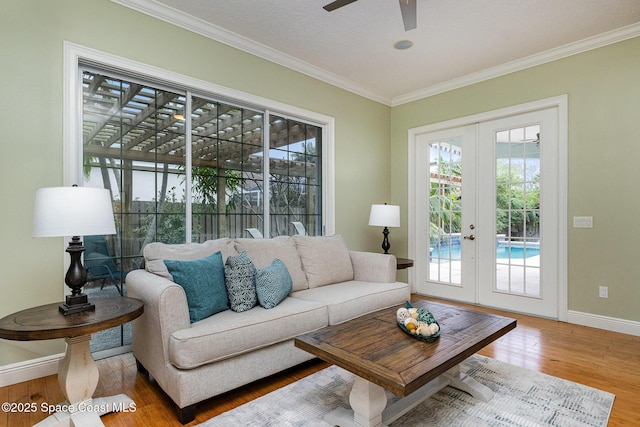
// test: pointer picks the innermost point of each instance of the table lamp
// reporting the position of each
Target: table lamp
(385, 216)
(73, 211)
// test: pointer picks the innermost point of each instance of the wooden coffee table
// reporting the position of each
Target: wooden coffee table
(383, 357)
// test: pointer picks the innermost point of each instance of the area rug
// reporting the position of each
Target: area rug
(521, 398)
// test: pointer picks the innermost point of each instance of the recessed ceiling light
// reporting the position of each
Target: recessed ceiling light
(403, 44)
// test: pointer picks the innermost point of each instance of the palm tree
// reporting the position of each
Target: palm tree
(445, 214)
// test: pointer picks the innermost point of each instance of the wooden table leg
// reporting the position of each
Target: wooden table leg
(368, 401)
(78, 378)
(464, 382)
(77, 371)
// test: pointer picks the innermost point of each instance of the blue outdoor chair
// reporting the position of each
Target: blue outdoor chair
(99, 263)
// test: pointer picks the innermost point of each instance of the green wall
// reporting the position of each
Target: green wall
(31, 47)
(603, 87)
(370, 141)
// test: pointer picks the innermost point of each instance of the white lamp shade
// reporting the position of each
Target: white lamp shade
(73, 211)
(385, 215)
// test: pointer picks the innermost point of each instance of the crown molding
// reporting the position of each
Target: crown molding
(178, 18)
(175, 17)
(601, 40)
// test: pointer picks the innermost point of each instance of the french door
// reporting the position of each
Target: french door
(447, 213)
(487, 211)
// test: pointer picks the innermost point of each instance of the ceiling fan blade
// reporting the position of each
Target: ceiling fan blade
(408, 10)
(337, 4)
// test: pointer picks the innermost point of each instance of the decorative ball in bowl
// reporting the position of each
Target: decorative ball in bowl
(418, 322)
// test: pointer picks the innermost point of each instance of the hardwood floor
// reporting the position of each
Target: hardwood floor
(605, 360)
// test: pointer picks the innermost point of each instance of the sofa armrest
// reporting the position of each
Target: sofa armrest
(373, 267)
(165, 311)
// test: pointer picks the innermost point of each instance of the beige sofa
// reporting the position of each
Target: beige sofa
(195, 361)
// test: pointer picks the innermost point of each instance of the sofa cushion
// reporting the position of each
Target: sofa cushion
(263, 251)
(229, 334)
(240, 279)
(325, 259)
(203, 283)
(273, 284)
(348, 300)
(155, 253)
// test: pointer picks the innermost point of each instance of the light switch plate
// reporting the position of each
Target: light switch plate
(582, 222)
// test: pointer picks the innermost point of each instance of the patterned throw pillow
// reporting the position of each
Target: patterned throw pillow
(273, 284)
(203, 283)
(240, 278)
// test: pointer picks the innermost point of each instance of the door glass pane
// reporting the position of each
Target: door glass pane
(518, 211)
(445, 211)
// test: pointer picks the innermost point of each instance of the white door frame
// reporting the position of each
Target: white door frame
(559, 102)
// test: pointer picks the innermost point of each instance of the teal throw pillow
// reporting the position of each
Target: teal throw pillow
(203, 282)
(240, 279)
(273, 284)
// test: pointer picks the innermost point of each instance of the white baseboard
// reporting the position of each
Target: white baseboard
(623, 326)
(29, 369)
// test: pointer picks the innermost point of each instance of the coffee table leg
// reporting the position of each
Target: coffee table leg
(464, 382)
(367, 400)
(407, 403)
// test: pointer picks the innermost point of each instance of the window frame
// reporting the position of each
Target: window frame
(76, 57)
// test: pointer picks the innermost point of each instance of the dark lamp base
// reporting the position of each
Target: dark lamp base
(76, 304)
(385, 242)
(76, 278)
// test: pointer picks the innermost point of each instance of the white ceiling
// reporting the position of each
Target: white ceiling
(457, 42)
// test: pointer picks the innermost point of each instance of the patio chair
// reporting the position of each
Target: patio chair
(299, 228)
(100, 264)
(254, 232)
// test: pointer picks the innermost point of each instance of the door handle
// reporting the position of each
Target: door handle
(470, 237)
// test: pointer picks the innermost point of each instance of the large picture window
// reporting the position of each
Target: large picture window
(190, 168)
(184, 165)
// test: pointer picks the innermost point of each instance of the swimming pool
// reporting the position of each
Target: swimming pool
(503, 250)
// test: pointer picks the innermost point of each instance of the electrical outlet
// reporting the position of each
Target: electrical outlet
(604, 292)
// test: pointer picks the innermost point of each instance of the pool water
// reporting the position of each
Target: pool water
(502, 251)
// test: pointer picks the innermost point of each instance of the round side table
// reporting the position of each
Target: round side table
(77, 371)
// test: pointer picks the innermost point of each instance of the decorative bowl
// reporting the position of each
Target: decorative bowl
(418, 323)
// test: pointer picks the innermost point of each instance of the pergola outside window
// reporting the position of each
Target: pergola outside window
(177, 177)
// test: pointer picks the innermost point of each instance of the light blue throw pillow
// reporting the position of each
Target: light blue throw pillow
(240, 279)
(203, 282)
(273, 284)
